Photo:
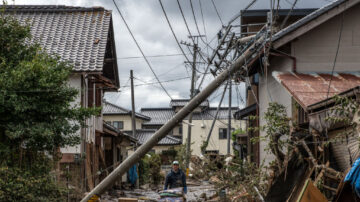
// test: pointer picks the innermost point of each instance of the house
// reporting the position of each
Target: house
(202, 119)
(301, 66)
(121, 119)
(84, 37)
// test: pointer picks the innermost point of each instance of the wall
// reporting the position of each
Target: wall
(126, 119)
(75, 82)
(199, 135)
(272, 91)
(315, 50)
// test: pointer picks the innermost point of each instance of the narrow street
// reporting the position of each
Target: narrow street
(197, 191)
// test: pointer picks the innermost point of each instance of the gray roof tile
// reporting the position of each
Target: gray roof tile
(112, 109)
(76, 34)
(183, 102)
(160, 116)
(143, 135)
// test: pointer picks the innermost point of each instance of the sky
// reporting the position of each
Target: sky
(150, 28)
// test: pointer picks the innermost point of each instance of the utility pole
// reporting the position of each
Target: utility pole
(237, 66)
(192, 94)
(132, 105)
(133, 123)
(229, 124)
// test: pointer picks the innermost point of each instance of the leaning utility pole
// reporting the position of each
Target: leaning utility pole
(249, 53)
(229, 119)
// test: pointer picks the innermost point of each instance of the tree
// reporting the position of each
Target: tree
(36, 115)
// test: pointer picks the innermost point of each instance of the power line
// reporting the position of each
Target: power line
(172, 31)
(336, 55)
(217, 12)
(142, 53)
(203, 22)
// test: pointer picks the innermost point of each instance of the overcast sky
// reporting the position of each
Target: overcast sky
(152, 32)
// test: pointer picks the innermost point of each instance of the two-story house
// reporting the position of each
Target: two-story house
(200, 125)
(84, 37)
(311, 59)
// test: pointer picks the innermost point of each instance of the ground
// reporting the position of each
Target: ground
(197, 191)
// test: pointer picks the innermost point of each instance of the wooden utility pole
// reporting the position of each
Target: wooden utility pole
(237, 66)
(229, 119)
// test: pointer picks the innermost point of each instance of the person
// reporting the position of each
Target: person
(176, 178)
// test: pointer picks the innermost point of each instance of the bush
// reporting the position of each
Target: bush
(149, 169)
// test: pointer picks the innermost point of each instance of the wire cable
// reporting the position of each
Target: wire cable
(172, 31)
(217, 12)
(142, 53)
(336, 55)
(150, 56)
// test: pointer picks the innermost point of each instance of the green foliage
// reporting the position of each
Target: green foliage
(181, 155)
(36, 114)
(149, 169)
(32, 184)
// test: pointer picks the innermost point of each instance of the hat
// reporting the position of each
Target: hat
(175, 163)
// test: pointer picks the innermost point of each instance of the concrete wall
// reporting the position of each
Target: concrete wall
(126, 119)
(75, 82)
(315, 50)
(199, 135)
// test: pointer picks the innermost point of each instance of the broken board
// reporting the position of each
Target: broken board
(311, 193)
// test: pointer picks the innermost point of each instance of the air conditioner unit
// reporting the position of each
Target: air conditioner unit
(202, 125)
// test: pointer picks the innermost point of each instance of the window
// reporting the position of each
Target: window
(222, 133)
(180, 130)
(118, 124)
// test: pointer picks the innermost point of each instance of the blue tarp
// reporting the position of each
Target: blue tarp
(353, 177)
(132, 174)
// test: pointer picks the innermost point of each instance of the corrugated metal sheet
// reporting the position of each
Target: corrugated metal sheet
(112, 109)
(143, 135)
(310, 88)
(160, 116)
(345, 148)
(76, 34)
(183, 102)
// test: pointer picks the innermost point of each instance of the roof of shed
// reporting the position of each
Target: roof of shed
(310, 88)
(76, 34)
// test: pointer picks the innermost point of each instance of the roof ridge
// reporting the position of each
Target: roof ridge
(52, 8)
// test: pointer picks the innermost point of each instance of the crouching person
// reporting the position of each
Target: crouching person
(176, 178)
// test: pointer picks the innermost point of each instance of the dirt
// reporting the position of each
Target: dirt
(197, 191)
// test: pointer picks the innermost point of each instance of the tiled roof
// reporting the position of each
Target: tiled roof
(183, 102)
(310, 88)
(160, 116)
(76, 34)
(112, 109)
(143, 135)
(112, 128)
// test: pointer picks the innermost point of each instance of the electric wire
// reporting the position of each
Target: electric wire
(288, 15)
(217, 12)
(150, 56)
(172, 31)
(336, 55)
(142, 53)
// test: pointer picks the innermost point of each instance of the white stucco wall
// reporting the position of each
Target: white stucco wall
(199, 135)
(75, 82)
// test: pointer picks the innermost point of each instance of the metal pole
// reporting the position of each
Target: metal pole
(229, 119)
(165, 129)
(188, 142)
(132, 105)
(133, 123)
(214, 119)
